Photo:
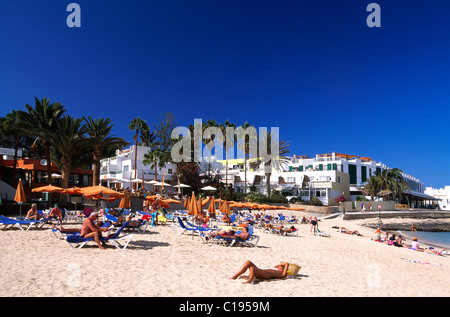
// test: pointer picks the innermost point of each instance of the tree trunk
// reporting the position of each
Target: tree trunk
(96, 168)
(268, 183)
(16, 147)
(245, 173)
(49, 162)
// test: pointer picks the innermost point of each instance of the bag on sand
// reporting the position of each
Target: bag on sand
(293, 269)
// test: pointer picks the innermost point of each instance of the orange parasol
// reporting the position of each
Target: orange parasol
(152, 197)
(97, 192)
(200, 205)
(125, 202)
(205, 201)
(193, 209)
(171, 201)
(73, 191)
(20, 195)
(47, 189)
(225, 209)
(100, 190)
(212, 208)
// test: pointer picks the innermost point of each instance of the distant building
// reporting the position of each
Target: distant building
(119, 169)
(325, 176)
(33, 174)
(441, 193)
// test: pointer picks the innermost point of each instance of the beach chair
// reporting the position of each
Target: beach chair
(180, 227)
(20, 223)
(76, 239)
(61, 234)
(252, 240)
(322, 233)
(140, 228)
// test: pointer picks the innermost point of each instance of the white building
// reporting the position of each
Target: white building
(120, 169)
(441, 193)
(326, 176)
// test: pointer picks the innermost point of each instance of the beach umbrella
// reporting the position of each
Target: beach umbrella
(125, 202)
(54, 176)
(47, 189)
(208, 188)
(73, 191)
(99, 191)
(200, 205)
(205, 201)
(171, 201)
(20, 195)
(193, 210)
(212, 208)
(225, 209)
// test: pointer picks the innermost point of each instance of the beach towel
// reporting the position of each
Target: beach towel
(422, 262)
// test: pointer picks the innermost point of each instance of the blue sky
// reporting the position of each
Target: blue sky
(312, 68)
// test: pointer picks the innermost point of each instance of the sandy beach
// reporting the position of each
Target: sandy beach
(161, 263)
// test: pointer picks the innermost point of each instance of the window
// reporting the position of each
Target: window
(39, 178)
(126, 168)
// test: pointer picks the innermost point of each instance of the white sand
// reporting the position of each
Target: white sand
(159, 263)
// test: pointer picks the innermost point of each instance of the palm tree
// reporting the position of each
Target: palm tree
(245, 147)
(41, 123)
(12, 126)
(148, 138)
(210, 141)
(372, 187)
(229, 143)
(100, 131)
(137, 125)
(392, 180)
(271, 155)
(70, 147)
(156, 157)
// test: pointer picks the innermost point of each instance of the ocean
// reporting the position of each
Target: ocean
(441, 239)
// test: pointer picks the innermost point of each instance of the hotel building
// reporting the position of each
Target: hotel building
(325, 176)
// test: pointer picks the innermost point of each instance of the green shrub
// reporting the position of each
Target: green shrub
(316, 201)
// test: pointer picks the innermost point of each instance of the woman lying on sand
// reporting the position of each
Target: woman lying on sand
(255, 272)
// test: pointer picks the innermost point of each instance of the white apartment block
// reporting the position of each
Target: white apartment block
(441, 193)
(120, 169)
(325, 176)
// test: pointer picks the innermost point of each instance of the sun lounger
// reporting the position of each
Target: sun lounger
(11, 222)
(181, 227)
(76, 239)
(140, 228)
(252, 240)
(322, 233)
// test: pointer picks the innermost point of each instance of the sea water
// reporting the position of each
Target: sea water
(441, 239)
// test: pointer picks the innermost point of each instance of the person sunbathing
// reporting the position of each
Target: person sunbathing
(66, 230)
(433, 250)
(348, 231)
(231, 234)
(280, 228)
(257, 273)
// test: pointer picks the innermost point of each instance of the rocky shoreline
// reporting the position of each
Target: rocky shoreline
(404, 224)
